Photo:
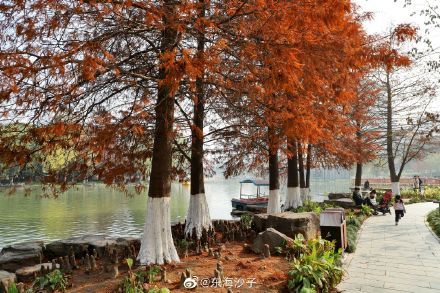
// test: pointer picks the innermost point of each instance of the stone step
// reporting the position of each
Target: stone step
(17, 255)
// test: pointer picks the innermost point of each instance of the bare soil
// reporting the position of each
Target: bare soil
(246, 272)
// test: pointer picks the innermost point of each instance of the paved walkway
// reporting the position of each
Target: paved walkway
(389, 258)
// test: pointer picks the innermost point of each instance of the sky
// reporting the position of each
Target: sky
(387, 13)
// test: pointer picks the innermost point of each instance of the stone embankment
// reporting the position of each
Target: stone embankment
(23, 262)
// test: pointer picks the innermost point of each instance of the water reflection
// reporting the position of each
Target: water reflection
(100, 210)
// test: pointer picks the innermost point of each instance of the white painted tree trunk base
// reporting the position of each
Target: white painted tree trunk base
(395, 188)
(304, 196)
(273, 206)
(157, 246)
(307, 194)
(293, 198)
(198, 215)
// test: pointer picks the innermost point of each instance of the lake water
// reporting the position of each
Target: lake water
(101, 210)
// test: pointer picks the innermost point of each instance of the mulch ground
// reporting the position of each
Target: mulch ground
(243, 272)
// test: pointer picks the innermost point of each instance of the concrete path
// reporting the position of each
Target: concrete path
(389, 258)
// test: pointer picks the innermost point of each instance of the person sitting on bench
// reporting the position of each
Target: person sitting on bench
(357, 197)
(367, 185)
(371, 201)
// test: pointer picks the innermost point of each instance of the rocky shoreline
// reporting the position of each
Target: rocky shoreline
(23, 262)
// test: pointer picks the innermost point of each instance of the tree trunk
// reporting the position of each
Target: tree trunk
(358, 178)
(395, 185)
(302, 182)
(308, 166)
(293, 198)
(274, 184)
(198, 218)
(157, 246)
(273, 205)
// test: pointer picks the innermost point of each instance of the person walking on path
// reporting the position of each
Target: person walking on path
(399, 208)
(421, 187)
(394, 259)
(416, 183)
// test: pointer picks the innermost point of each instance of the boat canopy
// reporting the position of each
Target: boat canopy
(256, 182)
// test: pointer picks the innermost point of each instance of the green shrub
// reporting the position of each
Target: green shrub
(132, 285)
(354, 223)
(434, 221)
(294, 248)
(352, 233)
(415, 200)
(317, 267)
(430, 193)
(409, 193)
(53, 281)
(353, 220)
(246, 221)
(13, 288)
(311, 206)
(134, 282)
(366, 210)
(183, 245)
(152, 273)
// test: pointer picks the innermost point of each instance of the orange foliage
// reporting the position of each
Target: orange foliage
(386, 53)
(299, 75)
(84, 76)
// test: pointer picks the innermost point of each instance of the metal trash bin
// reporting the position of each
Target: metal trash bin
(334, 227)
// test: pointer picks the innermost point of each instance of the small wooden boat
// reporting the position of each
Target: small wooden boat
(258, 199)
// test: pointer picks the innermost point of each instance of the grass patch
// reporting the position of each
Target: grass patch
(434, 221)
